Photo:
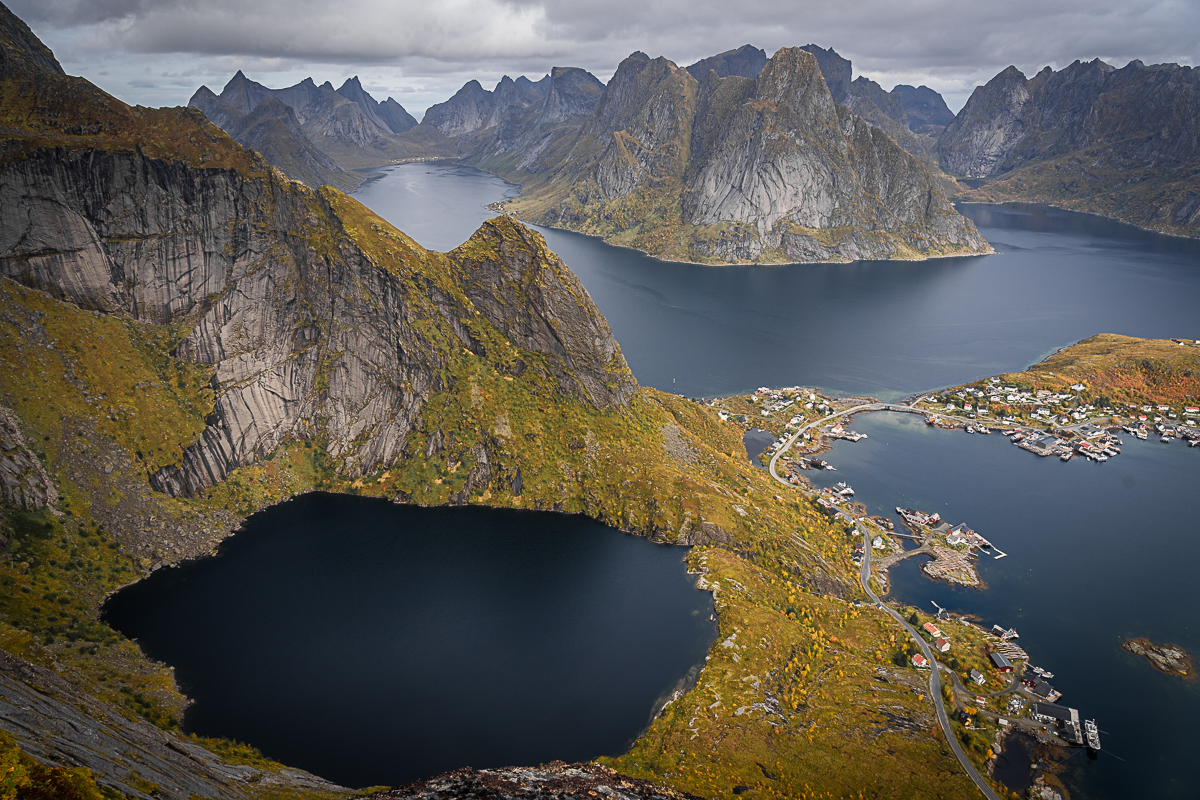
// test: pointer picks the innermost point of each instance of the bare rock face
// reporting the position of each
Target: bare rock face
(474, 108)
(979, 140)
(573, 93)
(553, 781)
(780, 155)
(738, 168)
(55, 722)
(926, 110)
(24, 483)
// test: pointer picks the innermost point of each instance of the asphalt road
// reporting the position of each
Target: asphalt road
(935, 680)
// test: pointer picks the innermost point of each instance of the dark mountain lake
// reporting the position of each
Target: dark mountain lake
(1097, 554)
(371, 643)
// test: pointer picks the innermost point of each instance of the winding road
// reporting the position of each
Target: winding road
(935, 682)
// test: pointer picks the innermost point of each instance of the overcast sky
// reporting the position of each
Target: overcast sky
(157, 52)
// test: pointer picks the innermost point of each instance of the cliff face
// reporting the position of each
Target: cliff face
(734, 168)
(307, 334)
(388, 114)
(1124, 142)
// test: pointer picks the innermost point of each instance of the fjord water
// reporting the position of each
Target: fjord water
(371, 643)
(884, 328)
(1097, 554)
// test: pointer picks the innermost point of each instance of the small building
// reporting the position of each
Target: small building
(956, 539)
(932, 629)
(1042, 689)
(1050, 712)
(943, 645)
(920, 661)
(977, 676)
(1002, 663)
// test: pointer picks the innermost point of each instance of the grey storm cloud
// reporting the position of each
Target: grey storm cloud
(949, 42)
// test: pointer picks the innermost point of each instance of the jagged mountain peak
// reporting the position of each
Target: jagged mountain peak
(792, 77)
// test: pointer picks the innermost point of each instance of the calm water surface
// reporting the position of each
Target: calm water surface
(376, 644)
(1097, 554)
(886, 328)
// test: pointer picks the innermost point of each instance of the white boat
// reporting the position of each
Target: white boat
(1102, 458)
(1165, 439)
(1065, 457)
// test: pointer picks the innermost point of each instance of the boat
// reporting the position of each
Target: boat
(1092, 735)
(843, 489)
(1101, 457)
(1141, 435)
(983, 430)
(1165, 439)
(1065, 457)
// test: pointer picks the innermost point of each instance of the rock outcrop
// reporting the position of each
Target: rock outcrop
(1168, 658)
(553, 781)
(24, 483)
(1124, 142)
(57, 723)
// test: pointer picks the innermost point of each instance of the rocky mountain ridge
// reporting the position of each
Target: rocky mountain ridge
(347, 125)
(1123, 142)
(700, 171)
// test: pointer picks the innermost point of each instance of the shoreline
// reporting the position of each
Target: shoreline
(1044, 204)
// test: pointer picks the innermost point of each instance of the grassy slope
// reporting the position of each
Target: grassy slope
(110, 387)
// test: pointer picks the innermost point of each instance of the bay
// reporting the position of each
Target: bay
(1097, 554)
